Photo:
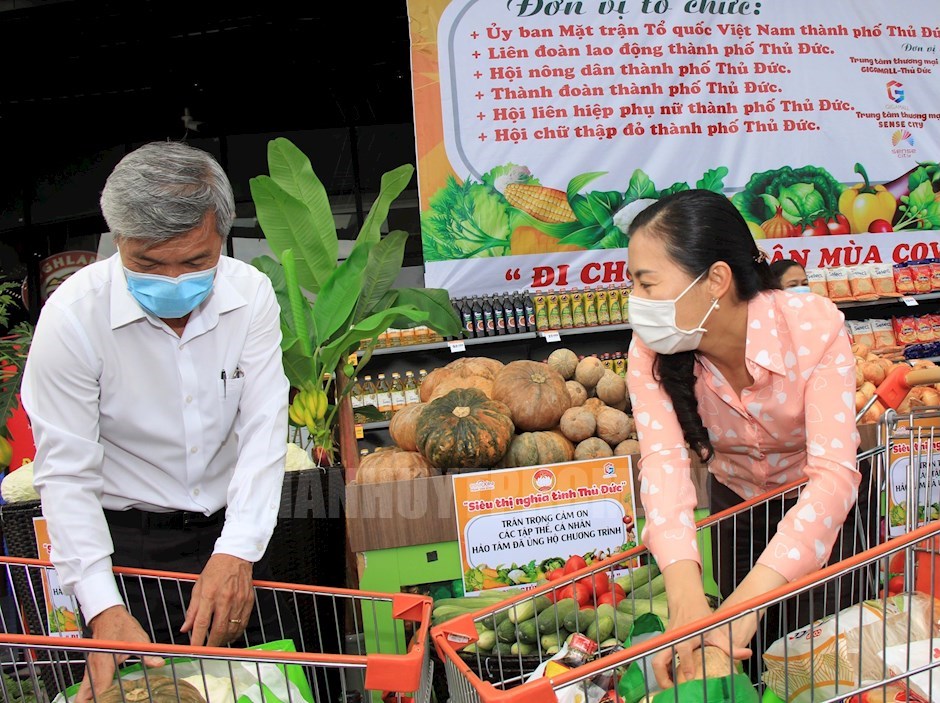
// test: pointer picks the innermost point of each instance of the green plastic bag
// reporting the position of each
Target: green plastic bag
(279, 683)
(633, 685)
(724, 689)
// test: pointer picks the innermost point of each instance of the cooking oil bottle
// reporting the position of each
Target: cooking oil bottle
(554, 312)
(590, 308)
(398, 392)
(383, 396)
(613, 304)
(603, 311)
(411, 389)
(577, 308)
(369, 397)
(565, 311)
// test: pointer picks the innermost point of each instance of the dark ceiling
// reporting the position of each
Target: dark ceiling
(79, 74)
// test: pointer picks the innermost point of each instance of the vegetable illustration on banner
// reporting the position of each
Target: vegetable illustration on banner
(542, 128)
(515, 527)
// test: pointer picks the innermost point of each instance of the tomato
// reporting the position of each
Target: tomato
(610, 598)
(879, 226)
(896, 585)
(563, 593)
(823, 226)
(617, 589)
(601, 583)
(574, 563)
(555, 574)
(582, 593)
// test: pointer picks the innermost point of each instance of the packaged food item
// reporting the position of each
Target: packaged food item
(935, 323)
(861, 332)
(849, 643)
(935, 275)
(883, 333)
(908, 656)
(861, 284)
(922, 276)
(924, 326)
(903, 279)
(882, 278)
(837, 284)
(816, 278)
(905, 329)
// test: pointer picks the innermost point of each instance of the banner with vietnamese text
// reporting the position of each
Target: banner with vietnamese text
(538, 124)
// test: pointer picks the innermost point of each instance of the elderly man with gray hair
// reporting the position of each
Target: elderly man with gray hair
(158, 402)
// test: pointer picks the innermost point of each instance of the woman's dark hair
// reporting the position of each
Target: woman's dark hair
(778, 268)
(698, 229)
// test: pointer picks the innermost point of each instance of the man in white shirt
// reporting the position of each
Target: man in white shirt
(158, 402)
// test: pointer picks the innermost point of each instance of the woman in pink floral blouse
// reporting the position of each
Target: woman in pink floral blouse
(758, 382)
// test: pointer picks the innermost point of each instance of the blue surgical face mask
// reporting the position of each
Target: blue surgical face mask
(799, 289)
(170, 298)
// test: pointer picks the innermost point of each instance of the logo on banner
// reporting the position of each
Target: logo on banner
(543, 480)
(609, 471)
(903, 142)
(895, 91)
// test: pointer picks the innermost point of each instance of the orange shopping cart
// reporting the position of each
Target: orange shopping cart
(43, 648)
(862, 629)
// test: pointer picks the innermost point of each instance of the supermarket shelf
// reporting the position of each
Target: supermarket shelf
(437, 346)
(381, 425)
(887, 301)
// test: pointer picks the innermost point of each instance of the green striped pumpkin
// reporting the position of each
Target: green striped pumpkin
(464, 430)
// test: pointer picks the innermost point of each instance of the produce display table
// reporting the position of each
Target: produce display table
(405, 534)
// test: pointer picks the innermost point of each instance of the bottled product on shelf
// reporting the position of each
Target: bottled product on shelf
(411, 389)
(398, 393)
(383, 397)
(499, 319)
(368, 394)
(355, 399)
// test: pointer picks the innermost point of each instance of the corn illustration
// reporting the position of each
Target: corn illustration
(543, 203)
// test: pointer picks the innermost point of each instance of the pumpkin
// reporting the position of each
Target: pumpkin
(535, 393)
(577, 424)
(404, 425)
(589, 371)
(393, 464)
(535, 448)
(479, 366)
(611, 388)
(464, 429)
(614, 426)
(152, 689)
(564, 361)
(577, 392)
(431, 380)
(592, 448)
(454, 382)
(627, 446)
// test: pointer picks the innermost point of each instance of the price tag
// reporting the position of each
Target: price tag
(552, 336)
(359, 432)
(909, 301)
(456, 345)
(353, 360)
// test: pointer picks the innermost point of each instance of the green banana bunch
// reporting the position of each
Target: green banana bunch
(308, 408)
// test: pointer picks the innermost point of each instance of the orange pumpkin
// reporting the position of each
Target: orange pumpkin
(431, 380)
(403, 426)
(479, 366)
(393, 464)
(152, 689)
(453, 382)
(535, 448)
(535, 393)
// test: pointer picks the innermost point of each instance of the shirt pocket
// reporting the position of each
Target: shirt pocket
(230, 390)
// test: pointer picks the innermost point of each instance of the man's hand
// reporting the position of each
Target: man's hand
(115, 623)
(223, 598)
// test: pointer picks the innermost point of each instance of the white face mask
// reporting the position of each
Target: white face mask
(655, 322)
(799, 289)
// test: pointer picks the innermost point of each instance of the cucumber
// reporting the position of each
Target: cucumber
(609, 643)
(606, 610)
(622, 624)
(492, 621)
(652, 589)
(502, 649)
(522, 648)
(470, 648)
(600, 629)
(553, 619)
(578, 620)
(528, 608)
(506, 631)
(637, 577)
(552, 651)
(487, 640)
(550, 640)
(527, 632)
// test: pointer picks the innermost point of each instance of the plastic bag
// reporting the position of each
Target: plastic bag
(254, 681)
(902, 658)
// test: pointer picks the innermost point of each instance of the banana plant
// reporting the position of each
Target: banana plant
(328, 308)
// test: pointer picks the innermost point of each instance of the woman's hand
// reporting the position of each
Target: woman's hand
(687, 603)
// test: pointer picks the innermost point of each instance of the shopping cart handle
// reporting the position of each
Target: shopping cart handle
(923, 376)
